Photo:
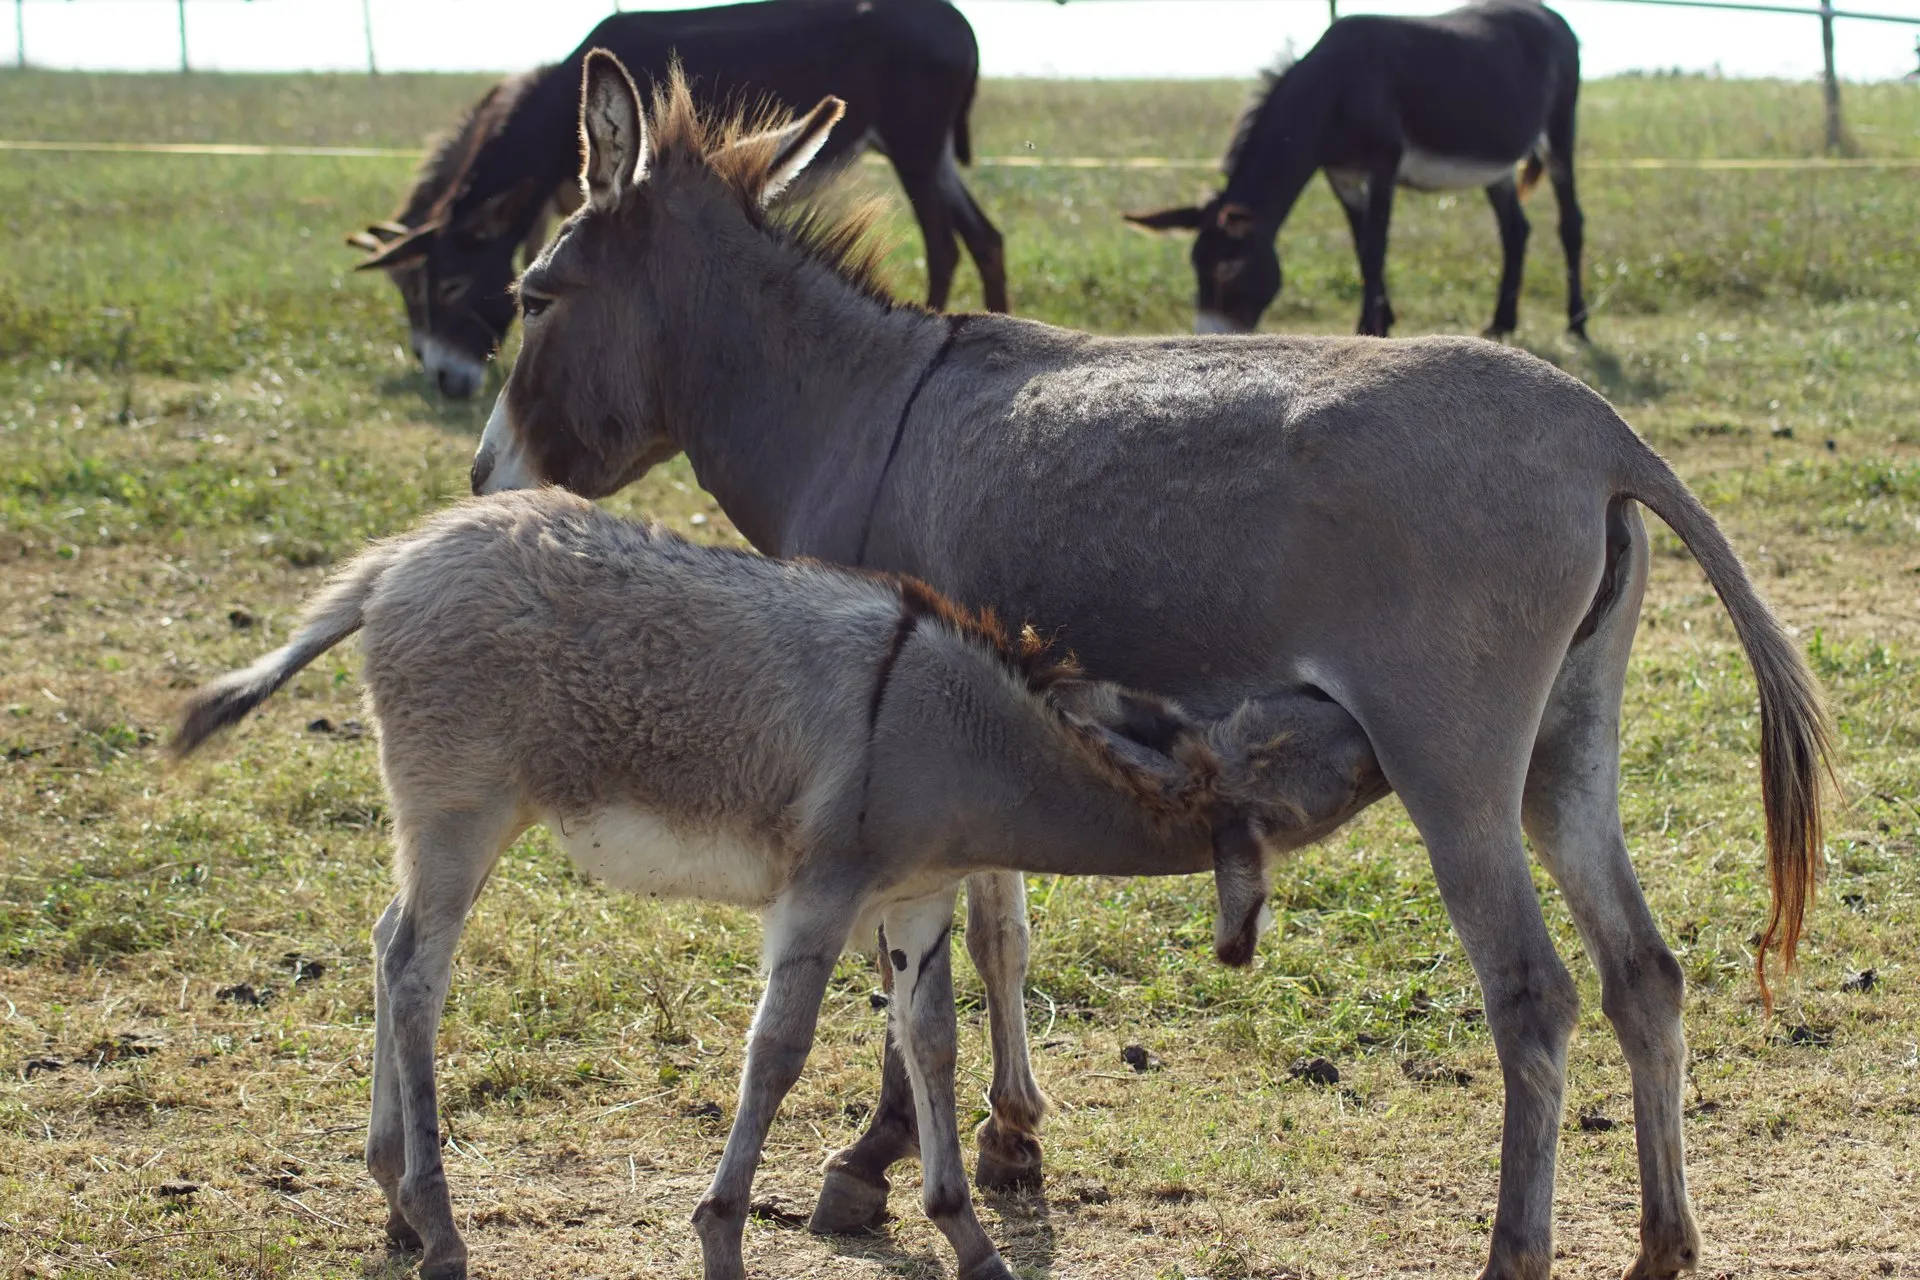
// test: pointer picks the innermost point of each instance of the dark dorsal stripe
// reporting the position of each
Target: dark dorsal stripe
(954, 325)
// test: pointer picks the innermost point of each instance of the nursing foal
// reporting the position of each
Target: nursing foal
(837, 749)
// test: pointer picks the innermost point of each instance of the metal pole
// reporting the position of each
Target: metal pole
(366, 21)
(20, 34)
(182, 6)
(1333, 10)
(1834, 134)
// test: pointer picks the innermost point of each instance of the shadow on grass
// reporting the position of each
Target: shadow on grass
(1601, 369)
(419, 399)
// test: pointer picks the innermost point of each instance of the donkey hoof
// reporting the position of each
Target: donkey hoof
(452, 1269)
(989, 1268)
(401, 1237)
(1007, 1164)
(848, 1204)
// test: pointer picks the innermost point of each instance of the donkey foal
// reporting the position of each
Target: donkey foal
(834, 748)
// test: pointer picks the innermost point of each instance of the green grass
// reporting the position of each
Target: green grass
(201, 406)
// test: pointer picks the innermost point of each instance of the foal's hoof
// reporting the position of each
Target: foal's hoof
(455, 1269)
(1008, 1162)
(848, 1204)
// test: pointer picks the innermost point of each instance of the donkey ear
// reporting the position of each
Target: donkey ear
(365, 240)
(1185, 218)
(613, 137)
(409, 250)
(797, 144)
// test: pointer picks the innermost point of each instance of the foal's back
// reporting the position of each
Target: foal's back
(588, 663)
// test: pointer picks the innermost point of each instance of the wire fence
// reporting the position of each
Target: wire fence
(1825, 11)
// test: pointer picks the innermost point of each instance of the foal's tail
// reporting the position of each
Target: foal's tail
(1796, 736)
(329, 618)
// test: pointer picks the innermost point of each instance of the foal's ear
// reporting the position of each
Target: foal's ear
(795, 146)
(1185, 218)
(613, 137)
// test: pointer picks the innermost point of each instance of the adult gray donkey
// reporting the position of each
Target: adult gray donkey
(1441, 535)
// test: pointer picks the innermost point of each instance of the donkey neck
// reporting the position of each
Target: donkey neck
(1283, 145)
(787, 399)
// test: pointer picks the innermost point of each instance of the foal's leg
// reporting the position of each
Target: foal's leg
(1573, 814)
(386, 1123)
(998, 943)
(919, 942)
(853, 1194)
(805, 932)
(1504, 196)
(443, 860)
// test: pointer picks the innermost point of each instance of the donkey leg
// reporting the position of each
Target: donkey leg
(1373, 250)
(1572, 811)
(998, 942)
(1351, 192)
(1560, 131)
(853, 1195)
(1480, 862)
(1572, 236)
(936, 229)
(1504, 196)
(386, 1122)
(443, 860)
(805, 932)
(919, 937)
(982, 238)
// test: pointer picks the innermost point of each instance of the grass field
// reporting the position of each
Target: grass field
(201, 407)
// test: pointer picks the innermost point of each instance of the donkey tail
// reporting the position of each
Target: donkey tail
(1531, 171)
(330, 617)
(1796, 735)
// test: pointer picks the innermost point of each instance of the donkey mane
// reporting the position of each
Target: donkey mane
(737, 146)
(1270, 77)
(443, 173)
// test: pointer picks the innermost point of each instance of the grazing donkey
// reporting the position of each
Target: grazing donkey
(443, 325)
(1441, 535)
(1456, 100)
(833, 748)
(907, 70)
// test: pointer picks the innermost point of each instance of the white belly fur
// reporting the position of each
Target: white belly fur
(635, 850)
(1424, 171)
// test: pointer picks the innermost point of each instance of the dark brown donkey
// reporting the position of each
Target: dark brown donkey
(906, 70)
(1441, 535)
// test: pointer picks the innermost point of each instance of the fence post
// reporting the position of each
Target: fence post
(182, 6)
(20, 34)
(366, 21)
(1835, 136)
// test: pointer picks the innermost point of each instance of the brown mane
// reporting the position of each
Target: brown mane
(737, 146)
(442, 174)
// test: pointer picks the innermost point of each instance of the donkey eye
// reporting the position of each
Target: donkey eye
(532, 304)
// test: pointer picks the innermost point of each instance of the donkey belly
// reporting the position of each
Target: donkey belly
(1429, 171)
(640, 852)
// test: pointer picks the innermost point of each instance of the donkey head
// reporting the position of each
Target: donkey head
(456, 279)
(582, 405)
(1235, 266)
